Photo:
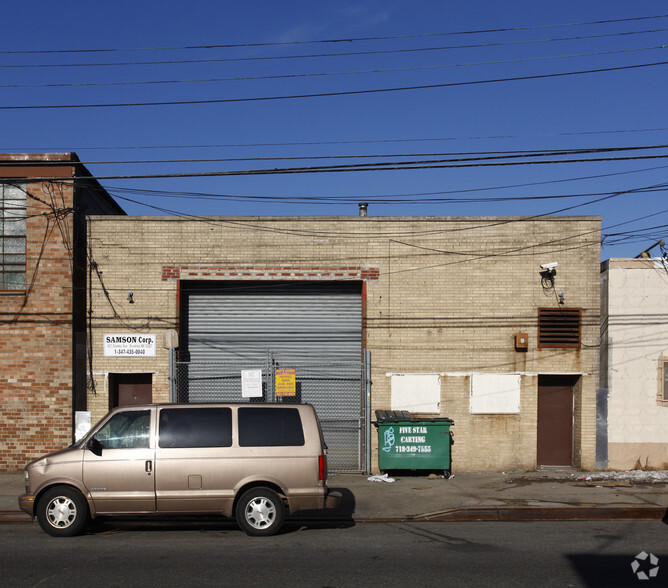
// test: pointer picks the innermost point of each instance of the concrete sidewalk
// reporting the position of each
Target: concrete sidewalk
(541, 495)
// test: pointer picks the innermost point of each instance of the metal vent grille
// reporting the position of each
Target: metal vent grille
(559, 327)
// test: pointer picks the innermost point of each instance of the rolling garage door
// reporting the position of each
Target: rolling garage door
(314, 328)
(241, 322)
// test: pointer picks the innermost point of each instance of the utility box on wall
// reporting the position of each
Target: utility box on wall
(521, 341)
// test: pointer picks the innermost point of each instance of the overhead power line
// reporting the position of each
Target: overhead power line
(358, 197)
(321, 55)
(333, 94)
(348, 200)
(323, 74)
(388, 166)
(607, 196)
(628, 235)
(340, 40)
(349, 142)
(457, 156)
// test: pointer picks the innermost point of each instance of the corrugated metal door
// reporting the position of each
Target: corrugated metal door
(315, 329)
(303, 323)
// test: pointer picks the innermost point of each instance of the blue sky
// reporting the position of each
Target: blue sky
(240, 87)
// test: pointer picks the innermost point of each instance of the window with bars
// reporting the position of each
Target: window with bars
(559, 327)
(13, 238)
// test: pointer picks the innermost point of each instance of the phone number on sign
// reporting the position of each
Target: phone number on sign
(412, 449)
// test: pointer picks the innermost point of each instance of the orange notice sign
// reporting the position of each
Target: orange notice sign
(286, 382)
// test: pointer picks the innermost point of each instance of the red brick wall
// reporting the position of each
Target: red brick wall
(366, 272)
(36, 336)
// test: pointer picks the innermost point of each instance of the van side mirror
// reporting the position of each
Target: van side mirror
(95, 446)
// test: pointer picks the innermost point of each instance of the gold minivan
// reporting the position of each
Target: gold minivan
(255, 462)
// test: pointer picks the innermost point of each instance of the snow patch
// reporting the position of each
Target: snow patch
(638, 476)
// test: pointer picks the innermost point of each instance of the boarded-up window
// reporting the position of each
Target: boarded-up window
(495, 393)
(559, 327)
(418, 393)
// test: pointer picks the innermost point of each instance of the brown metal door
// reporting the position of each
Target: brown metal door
(555, 426)
(130, 389)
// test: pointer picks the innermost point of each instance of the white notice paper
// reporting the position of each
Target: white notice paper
(251, 383)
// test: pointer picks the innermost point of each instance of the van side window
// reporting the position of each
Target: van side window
(266, 427)
(126, 430)
(195, 427)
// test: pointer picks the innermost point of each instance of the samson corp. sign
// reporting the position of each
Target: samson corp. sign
(129, 345)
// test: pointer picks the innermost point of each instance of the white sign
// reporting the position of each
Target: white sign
(129, 345)
(251, 383)
(82, 422)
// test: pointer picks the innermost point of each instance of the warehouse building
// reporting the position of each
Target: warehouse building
(492, 322)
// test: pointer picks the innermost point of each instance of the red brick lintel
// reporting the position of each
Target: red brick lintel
(175, 272)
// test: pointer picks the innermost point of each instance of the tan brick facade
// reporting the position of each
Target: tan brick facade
(442, 295)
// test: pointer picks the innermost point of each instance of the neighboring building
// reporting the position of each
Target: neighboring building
(43, 198)
(456, 314)
(634, 362)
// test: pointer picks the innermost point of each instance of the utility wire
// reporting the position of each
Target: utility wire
(323, 74)
(332, 94)
(204, 195)
(479, 156)
(322, 143)
(347, 200)
(341, 40)
(360, 235)
(320, 55)
(344, 168)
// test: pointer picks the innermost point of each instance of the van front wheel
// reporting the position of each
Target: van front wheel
(62, 512)
(260, 512)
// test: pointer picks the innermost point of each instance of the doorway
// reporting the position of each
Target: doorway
(555, 421)
(130, 389)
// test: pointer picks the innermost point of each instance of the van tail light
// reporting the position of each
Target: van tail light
(322, 468)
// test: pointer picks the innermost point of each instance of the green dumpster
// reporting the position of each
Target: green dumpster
(406, 443)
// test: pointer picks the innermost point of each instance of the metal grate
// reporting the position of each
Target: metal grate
(335, 390)
(559, 327)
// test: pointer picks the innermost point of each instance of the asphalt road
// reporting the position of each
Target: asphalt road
(205, 553)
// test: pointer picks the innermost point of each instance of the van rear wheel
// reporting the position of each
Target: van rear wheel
(62, 512)
(260, 512)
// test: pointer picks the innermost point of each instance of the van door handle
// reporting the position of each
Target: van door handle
(148, 466)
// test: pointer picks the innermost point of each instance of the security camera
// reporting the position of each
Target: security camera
(549, 266)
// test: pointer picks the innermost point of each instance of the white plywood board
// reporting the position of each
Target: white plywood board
(495, 393)
(418, 393)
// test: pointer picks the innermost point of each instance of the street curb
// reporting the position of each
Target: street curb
(533, 513)
(507, 514)
(13, 516)
(519, 513)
